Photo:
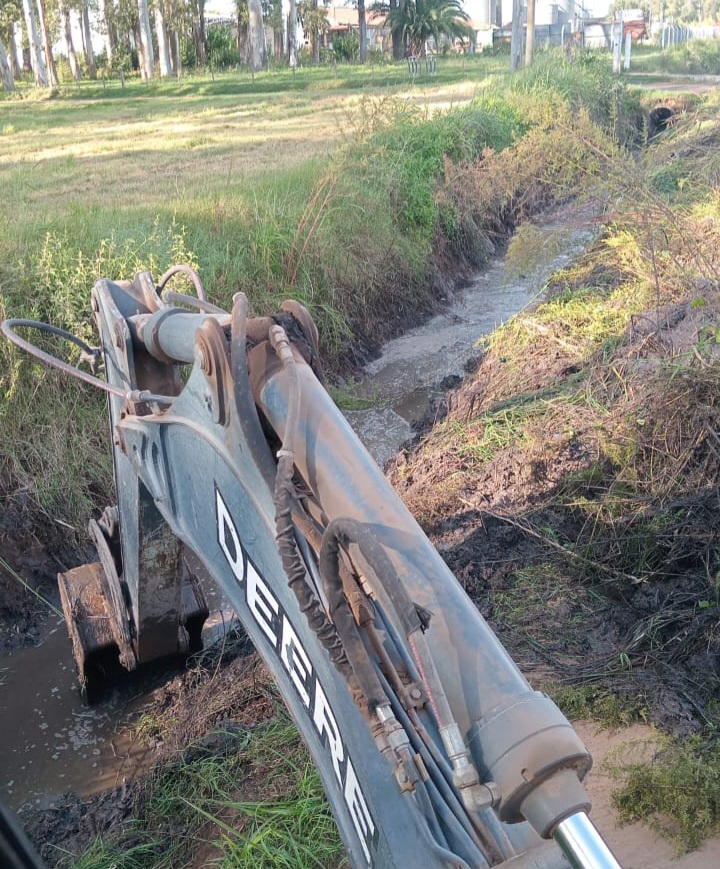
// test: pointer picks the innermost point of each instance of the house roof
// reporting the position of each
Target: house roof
(346, 16)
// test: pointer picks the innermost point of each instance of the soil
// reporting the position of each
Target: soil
(35, 553)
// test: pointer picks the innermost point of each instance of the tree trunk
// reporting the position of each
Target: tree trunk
(87, 41)
(398, 51)
(163, 50)
(292, 34)
(72, 58)
(256, 36)
(148, 57)
(5, 72)
(177, 64)
(530, 39)
(47, 44)
(315, 33)
(199, 35)
(15, 37)
(37, 61)
(106, 10)
(362, 26)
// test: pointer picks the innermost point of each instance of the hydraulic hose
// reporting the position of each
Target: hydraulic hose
(185, 270)
(285, 529)
(340, 533)
(88, 353)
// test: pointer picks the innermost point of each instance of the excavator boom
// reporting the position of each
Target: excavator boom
(432, 747)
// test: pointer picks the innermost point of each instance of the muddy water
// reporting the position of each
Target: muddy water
(419, 366)
(49, 743)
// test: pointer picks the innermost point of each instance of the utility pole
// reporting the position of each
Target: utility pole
(530, 38)
(516, 47)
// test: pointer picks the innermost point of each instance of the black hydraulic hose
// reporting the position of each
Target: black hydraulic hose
(443, 788)
(341, 614)
(285, 529)
(429, 812)
(89, 353)
(343, 531)
(440, 852)
(413, 725)
(448, 817)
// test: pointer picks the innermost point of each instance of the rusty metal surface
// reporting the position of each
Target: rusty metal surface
(86, 616)
(112, 592)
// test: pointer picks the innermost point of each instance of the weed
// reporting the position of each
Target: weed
(196, 802)
(678, 793)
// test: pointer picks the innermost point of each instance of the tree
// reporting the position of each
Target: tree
(418, 20)
(162, 40)
(292, 57)
(148, 58)
(47, 43)
(255, 47)
(362, 27)
(37, 61)
(108, 30)
(5, 74)
(87, 40)
(398, 41)
(199, 33)
(315, 23)
(67, 27)
(10, 16)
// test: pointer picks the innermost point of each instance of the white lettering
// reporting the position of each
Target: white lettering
(355, 801)
(296, 661)
(229, 540)
(324, 719)
(262, 603)
(274, 623)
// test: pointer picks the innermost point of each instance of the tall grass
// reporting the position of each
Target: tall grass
(353, 234)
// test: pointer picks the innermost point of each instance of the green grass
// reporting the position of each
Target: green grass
(696, 57)
(254, 801)
(596, 703)
(259, 183)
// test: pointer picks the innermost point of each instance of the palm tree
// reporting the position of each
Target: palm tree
(417, 20)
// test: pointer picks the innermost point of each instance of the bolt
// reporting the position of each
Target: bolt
(415, 693)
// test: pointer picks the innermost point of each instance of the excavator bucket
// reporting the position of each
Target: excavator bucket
(93, 644)
(103, 653)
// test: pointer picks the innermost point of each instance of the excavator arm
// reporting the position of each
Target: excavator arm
(230, 455)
